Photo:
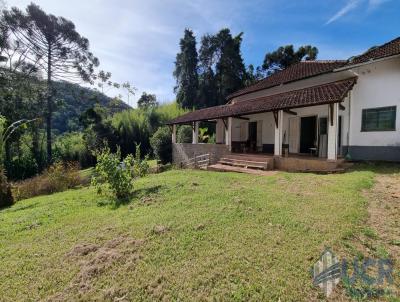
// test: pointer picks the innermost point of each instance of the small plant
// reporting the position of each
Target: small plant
(140, 166)
(203, 136)
(115, 177)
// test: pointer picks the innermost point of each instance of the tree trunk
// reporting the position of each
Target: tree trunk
(49, 107)
(36, 148)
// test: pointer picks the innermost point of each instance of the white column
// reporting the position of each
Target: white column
(228, 134)
(219, 131)
(278, 134)
(333, 118)
(173, 133)
(195, 139)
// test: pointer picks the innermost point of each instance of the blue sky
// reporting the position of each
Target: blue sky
(137, 40)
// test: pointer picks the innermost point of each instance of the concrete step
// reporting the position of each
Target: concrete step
(246, 166)
(244, 163)
(252, 157)
(227, 168)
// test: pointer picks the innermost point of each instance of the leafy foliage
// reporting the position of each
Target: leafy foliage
(73, 101)
(203, 136)
(186, 71)
(285, 56)
(115, 177)
(136, 126)
(72, 147)
(206, 79)
(55, 48)
(6, 198)
(161, 142)
(147, 100)
(184, 134)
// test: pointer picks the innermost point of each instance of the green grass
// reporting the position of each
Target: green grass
(228, 236)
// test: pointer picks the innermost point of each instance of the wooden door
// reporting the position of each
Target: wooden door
(294, 135)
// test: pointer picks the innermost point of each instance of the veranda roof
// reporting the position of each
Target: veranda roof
(333, 92)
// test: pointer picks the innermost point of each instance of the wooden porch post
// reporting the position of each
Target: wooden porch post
(195, 133)
(333, 130)
(228, 134)
(278, 116)
(173, 133)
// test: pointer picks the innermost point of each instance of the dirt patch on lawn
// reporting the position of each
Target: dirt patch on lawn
(380, 236)
(96, 259)
(384, 212)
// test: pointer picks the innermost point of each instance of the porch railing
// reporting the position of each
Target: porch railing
(197, 162)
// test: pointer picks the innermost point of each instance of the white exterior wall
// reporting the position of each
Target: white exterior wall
(378, 85)
(240, 127)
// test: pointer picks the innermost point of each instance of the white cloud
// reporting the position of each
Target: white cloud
(350, 5)
(354, 4)
(374, 4)
(137, 40)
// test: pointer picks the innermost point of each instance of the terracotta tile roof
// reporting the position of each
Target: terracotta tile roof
(386, 50)
(293, 73)
(317, 95)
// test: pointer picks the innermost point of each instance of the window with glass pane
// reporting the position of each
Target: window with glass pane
(379, 119)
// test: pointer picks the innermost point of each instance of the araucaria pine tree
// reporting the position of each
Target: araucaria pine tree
(57, 50)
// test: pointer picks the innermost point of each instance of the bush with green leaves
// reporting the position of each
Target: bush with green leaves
(161, 142)
(6, 198)
(114, 177)
(184, 134)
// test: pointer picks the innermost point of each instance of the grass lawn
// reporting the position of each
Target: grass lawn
(186, 235)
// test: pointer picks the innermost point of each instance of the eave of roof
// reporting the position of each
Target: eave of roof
(333, 92)
(309, 69)
(296, 72)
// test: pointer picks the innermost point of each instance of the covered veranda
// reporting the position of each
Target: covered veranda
(278, 125)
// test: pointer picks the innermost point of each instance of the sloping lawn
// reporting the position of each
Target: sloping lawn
(186, 235)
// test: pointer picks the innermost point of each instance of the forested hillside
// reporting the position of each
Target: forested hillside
(73, 100)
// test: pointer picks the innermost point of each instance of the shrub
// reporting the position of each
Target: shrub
(113, 177)
(140, 166)
(161, 143)
(184, 134)
(71, 147)
(57, 178)
(6, 198)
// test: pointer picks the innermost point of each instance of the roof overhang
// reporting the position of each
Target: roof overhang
(351, 66)
(328, 93)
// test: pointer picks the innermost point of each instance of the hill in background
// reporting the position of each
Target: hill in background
(72, 100)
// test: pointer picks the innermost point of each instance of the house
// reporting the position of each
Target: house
(309, 116)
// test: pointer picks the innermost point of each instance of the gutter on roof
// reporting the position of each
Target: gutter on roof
(365, 63)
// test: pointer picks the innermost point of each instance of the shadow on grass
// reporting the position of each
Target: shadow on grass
(136, 195)
(377, 167)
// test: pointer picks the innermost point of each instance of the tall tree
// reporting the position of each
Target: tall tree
(55, 48)
(222, 70)
(230, 69)
(285, 56)
(147, 100)
(186, 71)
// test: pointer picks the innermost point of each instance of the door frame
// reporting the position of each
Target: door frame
(316, 128)
(297, 118)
